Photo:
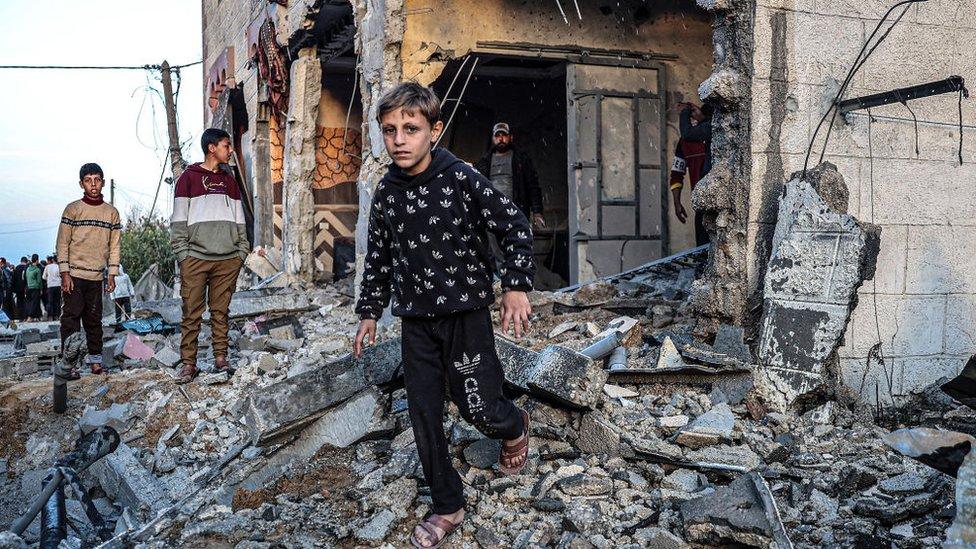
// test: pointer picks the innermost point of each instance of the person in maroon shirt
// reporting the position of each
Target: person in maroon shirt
(694, 156)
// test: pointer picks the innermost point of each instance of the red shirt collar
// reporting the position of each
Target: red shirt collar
(92, 201)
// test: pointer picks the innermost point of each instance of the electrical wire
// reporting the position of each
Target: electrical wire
(458, 103)
(22, 231)
(96, 67)
(858, 62)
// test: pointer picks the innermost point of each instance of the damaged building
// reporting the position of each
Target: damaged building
(786, 385)
(591, 94)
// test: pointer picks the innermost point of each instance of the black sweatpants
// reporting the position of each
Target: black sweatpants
(83, 306)
(457, 351)
(54, 302)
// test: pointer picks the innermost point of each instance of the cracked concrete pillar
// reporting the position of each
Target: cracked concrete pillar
(380, 25)
(722, 197)
(261, 176)
(298, 221)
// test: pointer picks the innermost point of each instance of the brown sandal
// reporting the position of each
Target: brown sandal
(520, 449)
(428, 525)
(187, 374)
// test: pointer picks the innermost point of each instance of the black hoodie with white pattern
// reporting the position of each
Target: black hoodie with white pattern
(428, 242)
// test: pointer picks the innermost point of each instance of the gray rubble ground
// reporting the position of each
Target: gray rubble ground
(649, 464)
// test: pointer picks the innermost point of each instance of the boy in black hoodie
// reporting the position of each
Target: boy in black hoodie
(428, 242)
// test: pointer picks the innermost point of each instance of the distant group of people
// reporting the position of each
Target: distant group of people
(31, 290)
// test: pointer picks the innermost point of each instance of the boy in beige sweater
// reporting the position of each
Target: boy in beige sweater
(88, 244)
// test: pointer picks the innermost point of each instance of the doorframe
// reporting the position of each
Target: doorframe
(573, 162)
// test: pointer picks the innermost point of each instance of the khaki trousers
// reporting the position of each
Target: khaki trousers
(206, 284)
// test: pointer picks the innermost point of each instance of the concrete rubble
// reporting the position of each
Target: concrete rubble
(680, 445)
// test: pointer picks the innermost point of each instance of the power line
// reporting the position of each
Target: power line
(96, 67)
(29, 230)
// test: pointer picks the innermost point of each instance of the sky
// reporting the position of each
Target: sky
(56, 120)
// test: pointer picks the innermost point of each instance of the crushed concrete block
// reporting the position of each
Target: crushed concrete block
(10, 540)
(377, 527)
(556, 373)
(291, 404)
(125, 480)
(820, 256)
(259, 263)
(165, 357)
(44, 347)
(116, 416)
(214, 378)
(562, 328)
(658, 538)
(942, 450)
(267, 363)
(568, 377)
(134, 348)
(256, 343)
(682, 480)
(739, 457)
(709, 428)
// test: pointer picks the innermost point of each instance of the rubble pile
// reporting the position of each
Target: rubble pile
(304, 445)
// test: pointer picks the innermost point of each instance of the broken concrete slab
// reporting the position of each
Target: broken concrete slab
(115, 416)
(125, 480)
(597, 436)
(737, 513)
(483, 453)
(709, 428)
(568, 377)
(355, 419)
(165, 357)
(268, 300)
(556, 373)
(820, 256)
(730, 340)
(380, 362)
(669, 358)
(289, 405)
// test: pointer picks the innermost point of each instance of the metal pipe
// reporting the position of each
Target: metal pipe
(90, 448)
(603, 347)
(54, 527)
(618, 359)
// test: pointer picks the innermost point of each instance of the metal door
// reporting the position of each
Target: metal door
(617, 186)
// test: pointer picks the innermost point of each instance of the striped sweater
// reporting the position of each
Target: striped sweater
(88, 239)
(208, 219)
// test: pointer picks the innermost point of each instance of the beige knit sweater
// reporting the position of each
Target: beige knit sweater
(88, 239)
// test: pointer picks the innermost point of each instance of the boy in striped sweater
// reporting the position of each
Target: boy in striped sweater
(88, 243)
(209, 239)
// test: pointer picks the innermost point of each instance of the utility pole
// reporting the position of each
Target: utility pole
(111, 191)
(175, 158)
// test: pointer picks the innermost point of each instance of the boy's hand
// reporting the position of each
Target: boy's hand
(110, 285)
(66, 283)
(515, 310)
(367, 328)
(679, 209)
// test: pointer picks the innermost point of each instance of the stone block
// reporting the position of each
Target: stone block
(733, 514)
(380, 362)
(135, 349)
(116, 416)
(125, 480)
(820, 257)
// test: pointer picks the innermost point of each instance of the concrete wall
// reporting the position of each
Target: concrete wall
(923, 299)
(439, 30)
